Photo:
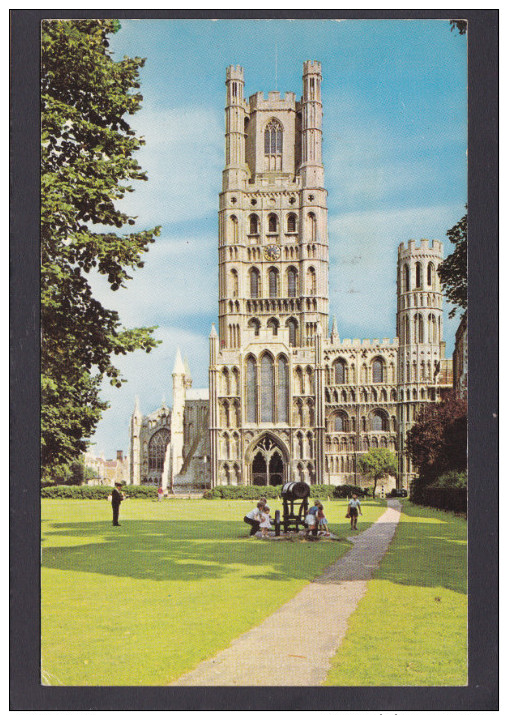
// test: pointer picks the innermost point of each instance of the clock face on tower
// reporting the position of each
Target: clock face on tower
(272, 252)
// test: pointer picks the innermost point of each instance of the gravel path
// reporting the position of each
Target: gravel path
(318, 614)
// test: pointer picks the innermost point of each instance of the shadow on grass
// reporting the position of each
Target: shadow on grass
(182, 550)
(428, 554)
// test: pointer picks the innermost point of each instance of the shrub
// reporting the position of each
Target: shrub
(452, 479)
(322, 491)
(344, 491)
(100, 491)
(243, 491)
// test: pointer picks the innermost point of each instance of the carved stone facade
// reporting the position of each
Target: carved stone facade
(286, 401)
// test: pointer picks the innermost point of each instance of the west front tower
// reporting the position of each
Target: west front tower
(266, 384)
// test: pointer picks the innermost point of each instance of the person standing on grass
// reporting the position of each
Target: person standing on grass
(254, 517)
(354, 508)
(160, 493)
(116, 499)
(265, 521)
(322, 520)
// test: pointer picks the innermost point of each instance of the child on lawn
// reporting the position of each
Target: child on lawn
(322, 521)
(354, 508)
(265, 522)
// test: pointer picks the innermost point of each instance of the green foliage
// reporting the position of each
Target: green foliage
(247, 491)
(460, 25)
(179, 577)
(87, 166)
(452, 479)
(419, 596)
(344, 491)
(377, 463)
(453, 270)
(437, 442)
(99, 491)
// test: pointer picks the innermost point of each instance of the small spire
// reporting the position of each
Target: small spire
(163, 400)
(178, 368)
(186, 366)
(213, 332)
(335, 332)
(136, 404)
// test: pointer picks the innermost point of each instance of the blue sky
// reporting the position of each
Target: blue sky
(394, 148)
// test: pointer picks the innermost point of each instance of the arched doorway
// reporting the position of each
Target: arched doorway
(269, 462)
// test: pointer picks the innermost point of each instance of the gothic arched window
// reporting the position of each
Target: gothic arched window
(254, 324)
(311, 281)
(254, 283)
(251, 389)
(267, 389)
(339, 422)
(273, 282)
(418, 275)
(292, 279)
(311, 219)
(292, 325)
(254, 224)
(157, 449)
(340, 372)
(282, 389)
(291, 223)
(273, 138)
(234, 229)
(430, 275)
(273, 323)
(407, 280)
(378, 370)
(379, 423)
(234, 282)
(272, 223)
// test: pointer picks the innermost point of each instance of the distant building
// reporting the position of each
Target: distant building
(287, 399)
(460, 359)
(108, 471)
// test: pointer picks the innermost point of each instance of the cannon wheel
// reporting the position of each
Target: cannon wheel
(277, 523)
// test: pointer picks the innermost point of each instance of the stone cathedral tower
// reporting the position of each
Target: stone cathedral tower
(273, 287)
(286, 400)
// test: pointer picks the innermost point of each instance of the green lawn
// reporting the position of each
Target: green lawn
(411, 627)
(144, 603)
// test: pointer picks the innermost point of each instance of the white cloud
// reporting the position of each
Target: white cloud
(183, 159)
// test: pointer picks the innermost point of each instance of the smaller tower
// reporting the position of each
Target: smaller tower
(419, 330)
(135, 447)
(311, 169)
(235, 172)
(213, 376)
(177, 435)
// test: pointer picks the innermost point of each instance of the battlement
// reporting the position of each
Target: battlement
(311, 67)
(412, 249)
(274, 102)
(358, 343)
(234, 72)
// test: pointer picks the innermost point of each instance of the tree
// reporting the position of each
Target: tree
(460, 25)
(87, 164)
(453, 270)
(437, 442)
(377, 463)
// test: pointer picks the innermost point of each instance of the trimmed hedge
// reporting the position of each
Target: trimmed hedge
(251, 491)
(99, 491)
(447, 498)
(243, 491)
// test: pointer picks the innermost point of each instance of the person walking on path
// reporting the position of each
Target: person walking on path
(254, 517)
(116, 499)
(354, 508)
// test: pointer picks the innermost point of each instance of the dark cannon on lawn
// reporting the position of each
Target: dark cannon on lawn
(295, 495)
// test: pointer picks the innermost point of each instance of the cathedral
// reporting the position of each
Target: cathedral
(288, 399)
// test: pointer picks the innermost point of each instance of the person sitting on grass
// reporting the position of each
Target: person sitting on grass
(322, 521)
(354, 508)
(264, 524)
(254, 517)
